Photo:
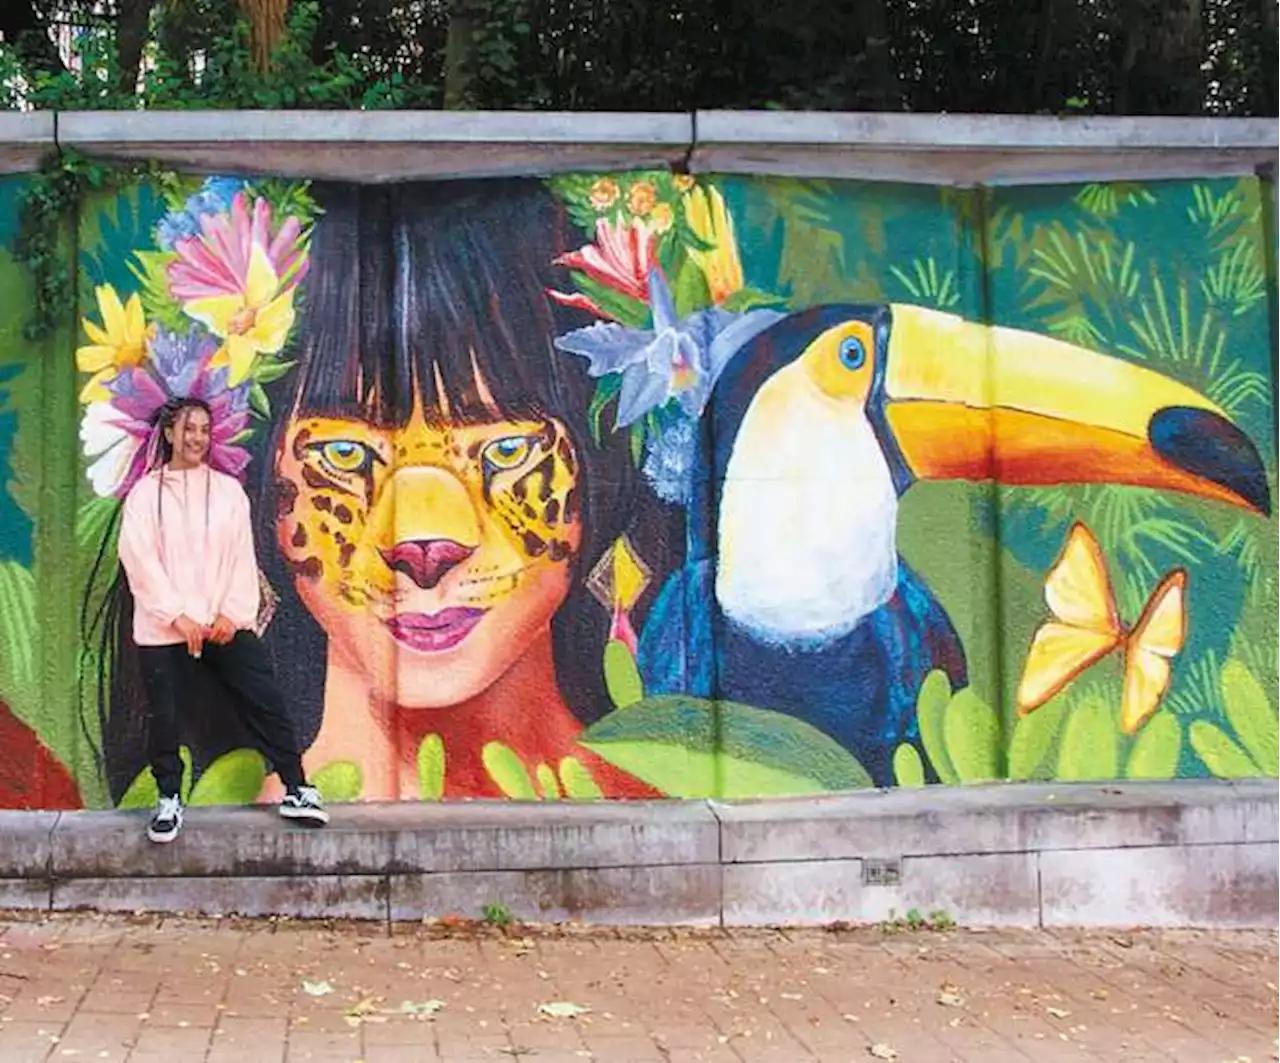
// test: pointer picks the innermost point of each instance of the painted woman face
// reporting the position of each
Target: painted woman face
(432, 555)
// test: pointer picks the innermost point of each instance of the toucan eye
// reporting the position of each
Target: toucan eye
(508, 452)
(346, 456)
(853, 354)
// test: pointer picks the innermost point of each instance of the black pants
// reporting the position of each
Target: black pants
(244, 667)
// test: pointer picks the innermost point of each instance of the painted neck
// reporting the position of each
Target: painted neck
(523, 709)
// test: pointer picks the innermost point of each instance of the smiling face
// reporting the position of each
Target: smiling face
(189, 437)
(432, 555)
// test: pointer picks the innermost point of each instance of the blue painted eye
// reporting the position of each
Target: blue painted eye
(508, 452)
(852, 353)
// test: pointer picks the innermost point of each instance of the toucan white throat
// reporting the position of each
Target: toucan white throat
(808, 517)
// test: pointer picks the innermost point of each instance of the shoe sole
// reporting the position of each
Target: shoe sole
(163, 839)
(307, 816)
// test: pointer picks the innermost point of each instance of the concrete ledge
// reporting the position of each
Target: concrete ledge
(378, 146)
(1200, 854)
(24, 140)
(964, 149)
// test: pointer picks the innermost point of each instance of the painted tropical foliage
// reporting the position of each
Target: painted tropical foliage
(785, 486)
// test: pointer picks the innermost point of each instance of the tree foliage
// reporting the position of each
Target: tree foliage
(1173, 57)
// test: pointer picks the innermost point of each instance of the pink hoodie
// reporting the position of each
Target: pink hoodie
(192, 554)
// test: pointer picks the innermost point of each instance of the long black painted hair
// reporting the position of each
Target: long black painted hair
(408, 282)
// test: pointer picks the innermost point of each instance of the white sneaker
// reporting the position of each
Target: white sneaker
(166, 821)
(304, 805)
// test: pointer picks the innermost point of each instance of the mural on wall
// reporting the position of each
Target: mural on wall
(640, 485)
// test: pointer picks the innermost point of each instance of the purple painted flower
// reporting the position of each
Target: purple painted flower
(679, 358)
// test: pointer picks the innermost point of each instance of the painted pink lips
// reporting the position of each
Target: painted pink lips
(434, 632)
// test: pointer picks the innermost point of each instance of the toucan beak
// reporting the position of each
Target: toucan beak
(976, 402)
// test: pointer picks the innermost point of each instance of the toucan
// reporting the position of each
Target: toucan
(793, 596)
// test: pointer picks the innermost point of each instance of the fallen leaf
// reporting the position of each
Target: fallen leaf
(317, 989)
(949, 996)
(562, 1009)
(1058, 1013)
(882, 1051)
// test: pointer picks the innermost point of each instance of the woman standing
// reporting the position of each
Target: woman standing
(186, 544)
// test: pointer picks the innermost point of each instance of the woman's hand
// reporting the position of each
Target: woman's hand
(222, 632)
(192, 632)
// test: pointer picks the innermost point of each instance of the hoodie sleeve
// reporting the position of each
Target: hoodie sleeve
(238, 595)
(140, 554)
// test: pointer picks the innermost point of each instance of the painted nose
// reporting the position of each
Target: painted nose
(425, 561)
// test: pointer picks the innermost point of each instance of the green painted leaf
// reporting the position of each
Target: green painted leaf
(606, 390)
(975, 741)
(577, 781)
(1220, 754)
(1088, 749)
(431, 765)
(18, 640)
(339, 780)
(745, 299)
(266, 372)
(507, 770)
(1033, 739)
(258, 401)
(622, 308)
(142, 792)
(908, 768)
(1252, 716)
(548, 785)
(621, 676)
(1156, 750)
(689, 747)
(931, 707)
(151, 270)
(235, 778)
(691, 292)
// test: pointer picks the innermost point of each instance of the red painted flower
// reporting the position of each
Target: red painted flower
(621, 258)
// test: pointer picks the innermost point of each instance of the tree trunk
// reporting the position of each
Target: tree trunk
(131, 37)
(459, 54)
(266, 28)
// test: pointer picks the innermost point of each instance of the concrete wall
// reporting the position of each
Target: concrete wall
(766, 484)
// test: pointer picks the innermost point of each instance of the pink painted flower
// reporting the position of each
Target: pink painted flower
(621, 258)
(237, 279)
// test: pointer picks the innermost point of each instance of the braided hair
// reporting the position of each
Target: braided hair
(160, 449)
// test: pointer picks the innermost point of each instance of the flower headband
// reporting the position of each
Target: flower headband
(213, 310)
(665, 278)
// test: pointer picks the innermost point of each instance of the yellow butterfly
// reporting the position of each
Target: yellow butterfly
(1086, 627)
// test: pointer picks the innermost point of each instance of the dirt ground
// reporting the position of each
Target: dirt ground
(165, 990)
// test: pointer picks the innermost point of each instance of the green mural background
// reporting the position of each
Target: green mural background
(1176, 276)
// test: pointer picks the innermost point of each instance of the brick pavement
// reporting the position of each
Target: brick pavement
(151, 990)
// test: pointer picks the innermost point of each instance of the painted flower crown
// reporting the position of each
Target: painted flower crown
(212, 312)
(665, 278)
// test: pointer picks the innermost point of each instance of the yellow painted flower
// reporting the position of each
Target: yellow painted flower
(604, 193)
(120, 342)
(662, 217)
(683, 182)
(709, 219)
(642, 198)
